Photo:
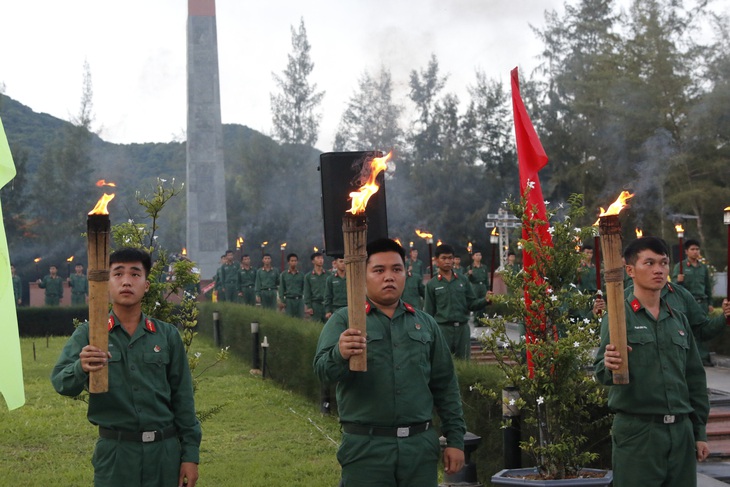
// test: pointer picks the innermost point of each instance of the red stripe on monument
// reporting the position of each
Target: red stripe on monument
(201, 8)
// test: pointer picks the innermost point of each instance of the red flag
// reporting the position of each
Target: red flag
(531, 157)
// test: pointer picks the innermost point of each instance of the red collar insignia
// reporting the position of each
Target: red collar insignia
(635, 305)
(110, 323)
(411, 310)
(150, 325)
(368, 308)
(671, 289)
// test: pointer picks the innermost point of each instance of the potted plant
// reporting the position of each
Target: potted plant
(550, 363)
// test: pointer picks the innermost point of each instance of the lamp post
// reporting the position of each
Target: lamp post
(255, 360)
(726, 221)
(494, 240)
(217, 328)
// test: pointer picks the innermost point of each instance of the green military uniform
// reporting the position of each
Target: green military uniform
(587, 279)
(698, 281)
(266, 284)
(414, 290)
(17, 289)
(54, 289)
(416, 266)
(314, 289)
(228, 276)
(150, 389)
(79, 285)
(662, 412)
(401, 388)
(247, 286)
(479, 279)
(291, 291)
(449, 302)
(335, 293)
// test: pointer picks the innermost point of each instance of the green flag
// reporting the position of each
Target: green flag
(11, 378)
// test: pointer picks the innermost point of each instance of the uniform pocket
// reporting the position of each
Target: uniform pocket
(642, 343)
(421, 341)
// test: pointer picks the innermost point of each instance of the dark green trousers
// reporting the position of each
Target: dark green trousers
(648, 453)
(125, 463)
(249, 296)
(377, 461)
(268, 299)
(318, 308)
(458, 338)
(295, 307)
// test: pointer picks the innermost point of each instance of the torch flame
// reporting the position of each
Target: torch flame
(100, 208)
(639, 232)
(102, 182)
(423, 235)
(398, 240)
(263, 244)
(617, 205)
(360, 198)
(468, 247)
(70, 259)
(184, 251)
(438, 243)
(37, 259)
(239, 242)
(316, 249)
(679, 228)
(283, 246)
(494, 232)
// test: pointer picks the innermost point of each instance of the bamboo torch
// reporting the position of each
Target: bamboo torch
(610, 231)
(429, 240)
(680, 235)
(355, 229)
(283, 248)
(726, 221)
(98, 228)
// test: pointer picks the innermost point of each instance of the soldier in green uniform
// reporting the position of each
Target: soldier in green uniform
(335, 291)
(79, 285)
(697, 279)
(148, 431)
(247, 282)
(586, 278)
(291, 288)
(658, 431)
(53, 284)
(315, 283)
(386, 413)
(17, 286)
(414, 264)
(478, 274)
(228, 279)
(449, 298)
(267, 280)
(415, 290)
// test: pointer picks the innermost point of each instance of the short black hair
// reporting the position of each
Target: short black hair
(690, 242)
(315, 254)
(511, 252)
(586, 247)
(444, 249)
(266, 255)
(655, 244)
(291, 255)
(131, 254)
(385, 245)
(229, 251)
(338, 256)
(244, 256)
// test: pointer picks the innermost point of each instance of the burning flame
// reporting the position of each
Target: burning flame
(423, 235)
(411, 243)
(316, 249)
(102, 182)
(639, 233)
(360, 198)
(438, 243)
(617, 205)
(70, 259)
(679, 228)
(468, 247)
(239, 242)
(494, 232)
(263, 244)
(283, 246)
(37, 259)
(398, 240)
(184, 251)
(100, 208)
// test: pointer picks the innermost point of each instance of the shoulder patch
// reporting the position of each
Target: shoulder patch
(368, 308)
(409, 308)
(110, 323)
(635, 305)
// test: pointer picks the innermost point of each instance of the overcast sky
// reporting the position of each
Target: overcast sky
(136, 50)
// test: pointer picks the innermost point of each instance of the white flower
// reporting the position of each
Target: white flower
(551, 230)
(155, 237)
(163, 180)
(546, 202)
(586, 320)
(522, 378)
(576, 344)
(573, 285)
(130, 221)
(127, 239)
(560, 205)
(553, 298)
(576, 230)
(531, 184)
(549, 290)
(157, 303)
(540, 400)
(471, 388)
(511, 402)
(198, 354)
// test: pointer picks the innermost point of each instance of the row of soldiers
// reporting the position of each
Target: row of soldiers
(52, 284)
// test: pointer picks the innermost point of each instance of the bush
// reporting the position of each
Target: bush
(50, 320)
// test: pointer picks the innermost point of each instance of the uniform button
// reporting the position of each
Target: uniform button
(397, 391)
(130, 347)
(132, 367)
(139, 410)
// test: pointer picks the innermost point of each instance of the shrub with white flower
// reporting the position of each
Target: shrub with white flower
(559, 401)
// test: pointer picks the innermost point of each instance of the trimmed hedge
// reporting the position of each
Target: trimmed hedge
(49, 320)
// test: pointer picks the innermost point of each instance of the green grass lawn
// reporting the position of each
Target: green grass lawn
(264, 436)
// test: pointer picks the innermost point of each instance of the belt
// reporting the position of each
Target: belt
(139, 437)
(269, 289)
(395, 431)
(453, 323)
(248, 287)
(293, 297)
(658, 418)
